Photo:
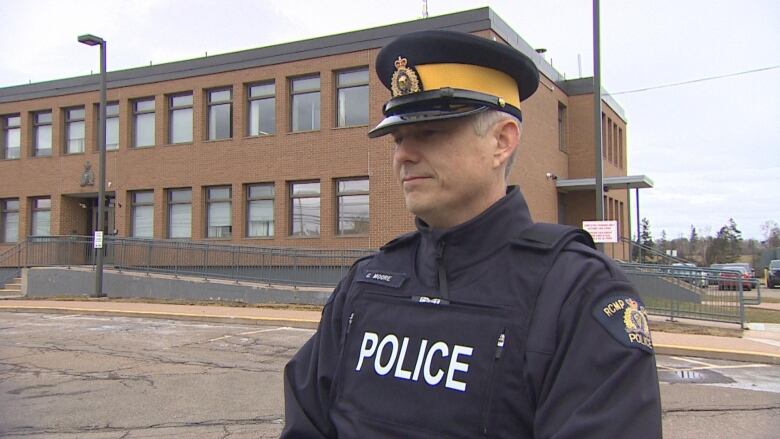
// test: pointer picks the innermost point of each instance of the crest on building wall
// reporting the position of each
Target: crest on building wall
(88, 176)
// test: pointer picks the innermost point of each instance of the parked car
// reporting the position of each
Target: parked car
(713, 278)
(688, 272)
(773, 274)
(728, 279)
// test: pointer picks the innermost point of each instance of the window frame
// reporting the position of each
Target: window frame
(250, 199)
(67, 131)
(134, 122)
(294, 94)
(211, 104)
(352, 193)
(267, 97)
(37, 125)
(293, 197)
(210, 201)
(170, 205)
(109, 117)
(173, 108)
(562, 122)
(7, 128)
(5, 211)
(35, 209)
(134, 204)
(340, 87)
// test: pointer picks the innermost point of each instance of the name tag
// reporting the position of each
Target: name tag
(385, 278)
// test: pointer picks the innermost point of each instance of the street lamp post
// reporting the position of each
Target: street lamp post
(92, 40)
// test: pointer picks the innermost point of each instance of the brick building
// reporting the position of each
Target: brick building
(268, 146)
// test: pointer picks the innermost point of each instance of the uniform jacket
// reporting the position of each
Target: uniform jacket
(471, 332)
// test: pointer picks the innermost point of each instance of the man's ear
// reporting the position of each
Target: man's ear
(507, 135)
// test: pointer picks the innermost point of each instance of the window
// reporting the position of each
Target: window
(615, 144)
(306, 104)
(608, 135)
(180, 122)
(603, 135)
(352, 206)
(305, 209)
(74, 130)
(353, 98)
(143, 123)
(260, 210)
(620, 147)
(112, 126)
(220, 114)
(12, 139)
(561, 127)
(42, 134)
(262, 111)
(9, 220)
(142, 224)
(41, 217)
(179, 213)
(218, 223)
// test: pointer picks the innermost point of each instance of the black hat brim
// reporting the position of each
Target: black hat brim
(392, 122)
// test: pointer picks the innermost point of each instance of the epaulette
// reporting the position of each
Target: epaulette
(546, 236)
(400, 240)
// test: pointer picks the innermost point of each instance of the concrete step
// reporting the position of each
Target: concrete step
(13, 286)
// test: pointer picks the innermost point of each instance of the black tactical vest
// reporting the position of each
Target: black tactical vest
(417, 363)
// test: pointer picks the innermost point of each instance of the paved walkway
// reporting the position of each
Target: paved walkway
(761, 346)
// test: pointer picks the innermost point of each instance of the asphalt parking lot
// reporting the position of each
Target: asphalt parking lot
(81, 376)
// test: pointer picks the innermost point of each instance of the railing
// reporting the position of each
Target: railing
(674, 291)
(291, 266)
(633, 251)
(237, 262)
(693, 292)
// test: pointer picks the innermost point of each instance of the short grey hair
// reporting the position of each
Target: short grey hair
(484, 120)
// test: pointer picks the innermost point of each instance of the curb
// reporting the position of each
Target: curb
(716, 354)
(259, 321)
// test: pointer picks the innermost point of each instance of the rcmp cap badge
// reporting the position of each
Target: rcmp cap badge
(625, 319)
(405, 79)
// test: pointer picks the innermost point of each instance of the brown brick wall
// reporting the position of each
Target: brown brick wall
(327, 154)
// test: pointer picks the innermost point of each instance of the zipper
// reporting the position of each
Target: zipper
(488, 404)
(443, 289)
(342, 354)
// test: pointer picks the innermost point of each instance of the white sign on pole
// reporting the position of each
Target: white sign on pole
(98, 241)
(601, 231)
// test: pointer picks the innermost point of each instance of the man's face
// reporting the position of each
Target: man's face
(447, 172)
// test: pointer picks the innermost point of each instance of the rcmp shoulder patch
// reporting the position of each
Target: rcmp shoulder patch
(626, 320)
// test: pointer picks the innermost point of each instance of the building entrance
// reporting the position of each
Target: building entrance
(80, 214)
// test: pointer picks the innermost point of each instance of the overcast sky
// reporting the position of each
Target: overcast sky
(711, 147)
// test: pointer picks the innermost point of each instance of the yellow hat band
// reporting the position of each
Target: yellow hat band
(470, 77)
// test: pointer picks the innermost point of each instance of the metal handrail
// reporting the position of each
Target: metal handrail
(676, 291)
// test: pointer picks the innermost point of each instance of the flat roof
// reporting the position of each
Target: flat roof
(589, 184)
(467, 21)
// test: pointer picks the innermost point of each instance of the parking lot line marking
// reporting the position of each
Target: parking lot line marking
(259, 331)
(220, 338)
(689, 360)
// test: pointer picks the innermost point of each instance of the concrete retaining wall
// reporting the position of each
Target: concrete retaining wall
(61, 281)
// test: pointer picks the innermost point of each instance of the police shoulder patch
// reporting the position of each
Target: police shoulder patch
(625, 319)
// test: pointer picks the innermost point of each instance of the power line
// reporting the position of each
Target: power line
(709, 78)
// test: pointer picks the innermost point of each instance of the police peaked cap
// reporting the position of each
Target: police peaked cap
(437, 74)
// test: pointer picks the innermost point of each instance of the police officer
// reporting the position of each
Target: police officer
(481, 323)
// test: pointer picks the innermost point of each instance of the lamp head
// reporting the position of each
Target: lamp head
(90, 40)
